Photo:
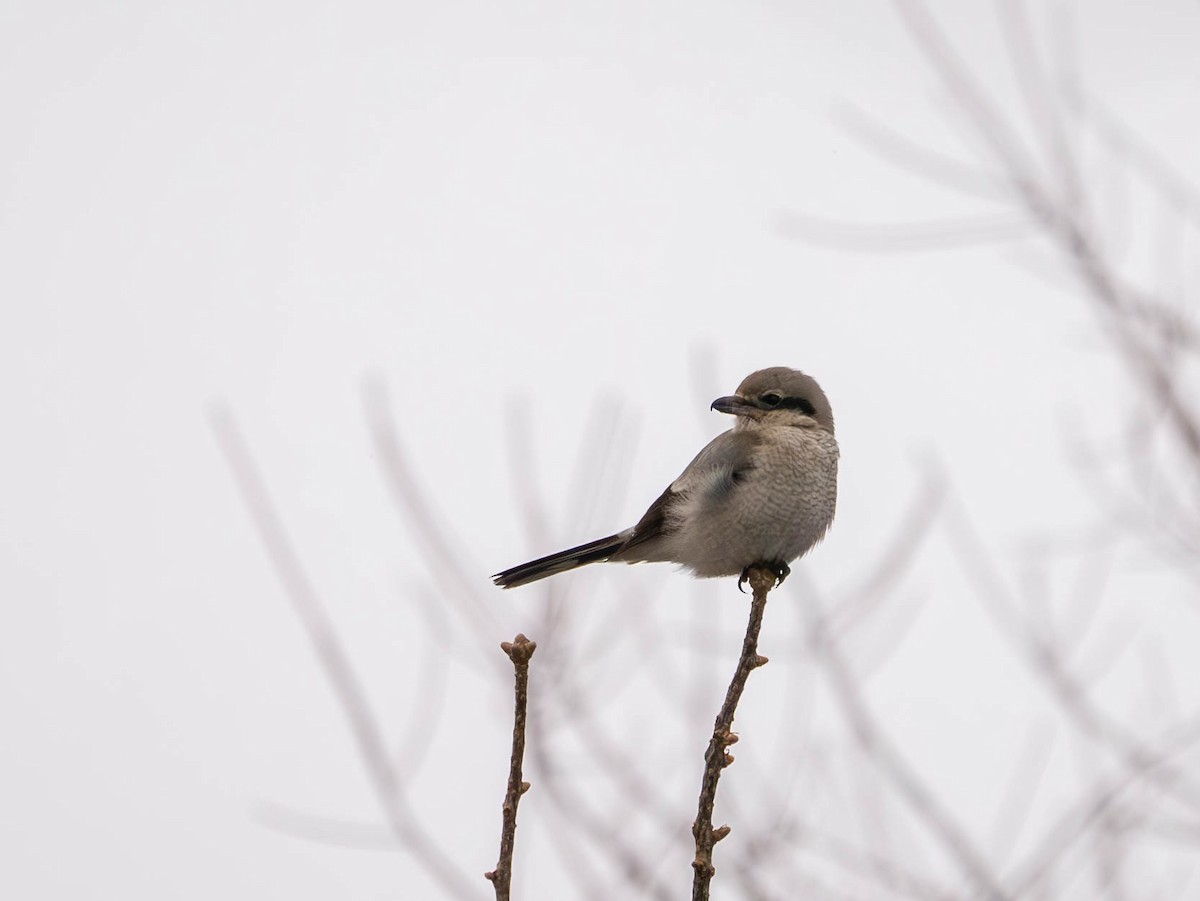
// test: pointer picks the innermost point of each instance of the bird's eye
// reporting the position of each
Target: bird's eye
(771, 398)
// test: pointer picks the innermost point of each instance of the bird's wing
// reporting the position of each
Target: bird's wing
(714, 473)
(592, 552)
(653, 524)
(725, 462)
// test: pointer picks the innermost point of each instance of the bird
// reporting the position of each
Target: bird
(762, 493)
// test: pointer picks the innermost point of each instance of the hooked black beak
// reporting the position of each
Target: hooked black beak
(734, 405)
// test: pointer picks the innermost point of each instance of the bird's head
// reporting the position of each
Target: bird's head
(778, 396)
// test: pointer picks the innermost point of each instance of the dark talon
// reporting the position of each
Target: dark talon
(779, 569)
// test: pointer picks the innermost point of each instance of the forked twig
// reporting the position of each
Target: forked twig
(519, 650)
(762, 579)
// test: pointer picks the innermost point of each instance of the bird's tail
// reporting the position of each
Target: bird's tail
(592, 552)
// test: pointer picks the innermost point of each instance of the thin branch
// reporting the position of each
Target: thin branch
(583, 826)
(1016, 807)
(1042, 104)
(969, 94)
(334, 660)
(893, 561)
(325, 830)
(905, 153)
(1168, 181)
(1062, 224)
(429, 700)
(904, 237)
(887, 757)
(1066, 832)
(519, 650)
(790, 839)
(716, 758)
(1073, 696)
(441, 551)
(579, 829)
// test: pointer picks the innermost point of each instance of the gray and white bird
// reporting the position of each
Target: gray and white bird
(763, 492)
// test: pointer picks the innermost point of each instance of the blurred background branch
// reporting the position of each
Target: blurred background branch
(546, 232)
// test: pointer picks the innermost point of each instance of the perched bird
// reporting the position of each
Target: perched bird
(763, 492)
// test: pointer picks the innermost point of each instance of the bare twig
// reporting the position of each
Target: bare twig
(879, 749)
(1073, 695)
(1060, 221)
(444, 553)
(519, 650)
(716, 758)
(605, 856)
(335, 661)
(914, 157)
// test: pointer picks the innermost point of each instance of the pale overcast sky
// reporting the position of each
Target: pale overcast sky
(533, 208)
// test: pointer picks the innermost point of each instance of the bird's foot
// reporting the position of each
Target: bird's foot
(780, 569)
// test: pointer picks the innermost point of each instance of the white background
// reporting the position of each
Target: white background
(563, 216)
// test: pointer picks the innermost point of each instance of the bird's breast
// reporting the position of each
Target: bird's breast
(781, 505)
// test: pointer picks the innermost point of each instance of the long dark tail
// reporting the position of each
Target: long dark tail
(592, 552)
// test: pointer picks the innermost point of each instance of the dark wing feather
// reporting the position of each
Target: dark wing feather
(653, 523)
(592, 552)
(719, 468)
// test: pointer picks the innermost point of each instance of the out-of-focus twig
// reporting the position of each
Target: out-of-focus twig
(335, 661)
(908, 154)
(783, 842)
(443, 555)
(584, 833)
(1168, 181)
(908, 537)
(716, 758)
(519, 650)
(1073, 697)
(1061, 221)
(882, 753)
